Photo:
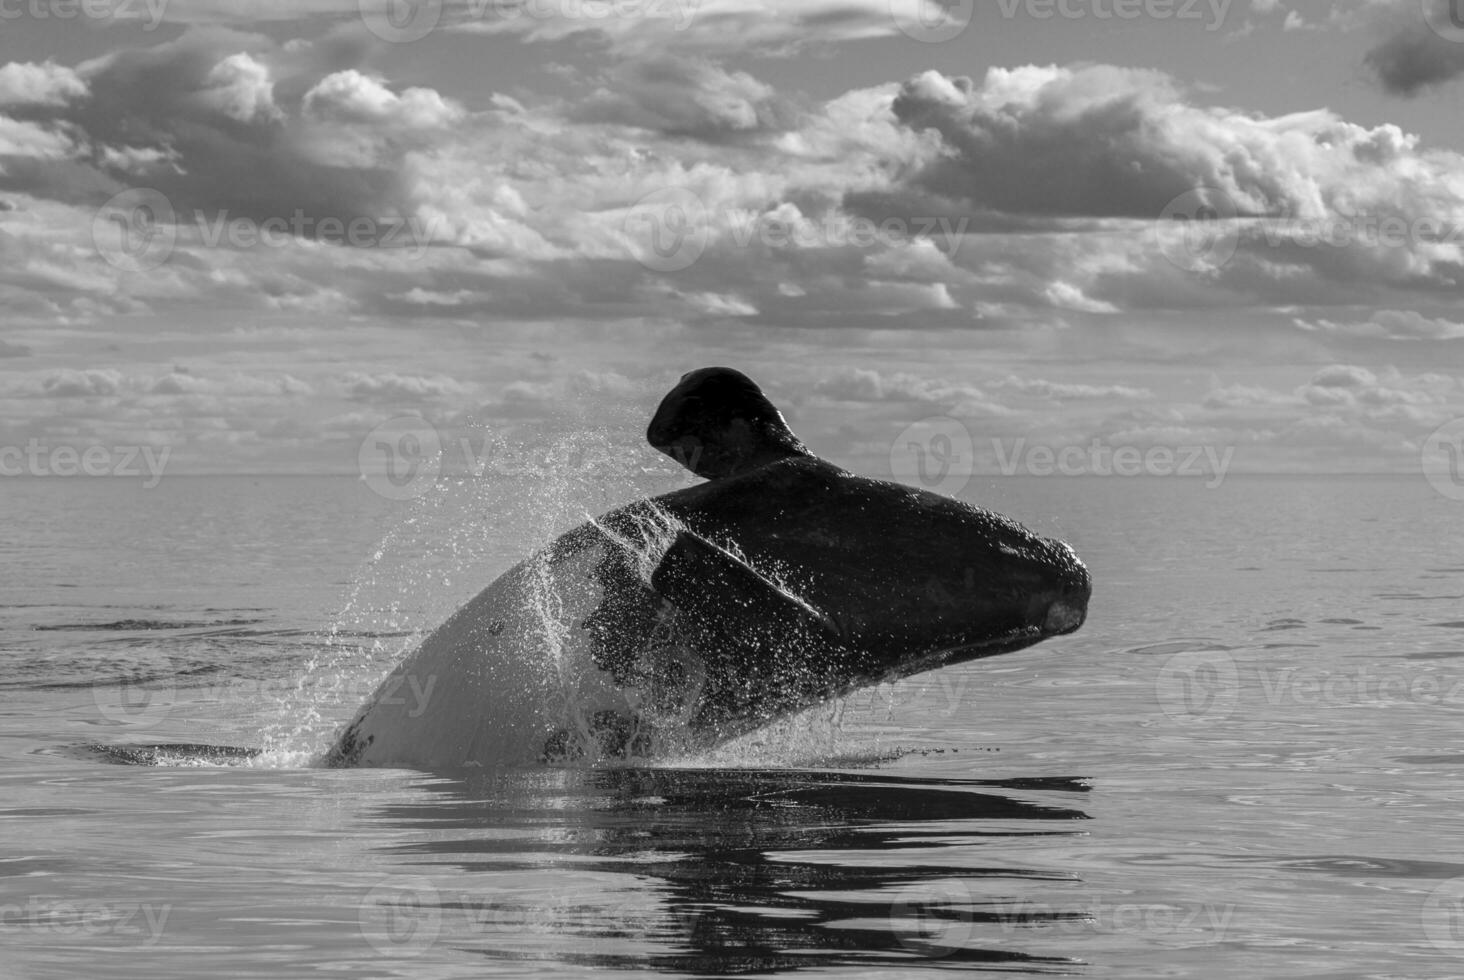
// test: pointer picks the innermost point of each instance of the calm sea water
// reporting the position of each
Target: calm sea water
(1247, 764)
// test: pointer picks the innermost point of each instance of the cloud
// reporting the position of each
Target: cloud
(240, 88)
(1414, 56)
(21, 140)
(685, 97)
(1069, 392)
(708, 27)
(1106, 142)
(201, 120)
(399, 388)
(351, 96)
(81, 384)
(1406, 325)
(49, 84)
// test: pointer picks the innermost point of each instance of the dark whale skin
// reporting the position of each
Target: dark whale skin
(780, 583)
(847, 581)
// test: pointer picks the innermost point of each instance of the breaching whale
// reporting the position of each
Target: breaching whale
(687, 619)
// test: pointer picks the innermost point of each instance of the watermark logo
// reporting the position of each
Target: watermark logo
(1206, 685)
(152, 11)
(401, 916)
(935, 922)
(403, 21)
(1100, 459)
(936, 454)
(668, 229)
(1443, 459)
(1445, 18)
(58, 917)
(36, 458)
(932, 22)
(1443, 916)
(1197, 230)
(146, 704)
(135, 230)
(135, 704)
(1196, 686)
(400, 21)
(401, 458)
(1212, 12)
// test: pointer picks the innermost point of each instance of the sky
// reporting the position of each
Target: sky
(255, 233)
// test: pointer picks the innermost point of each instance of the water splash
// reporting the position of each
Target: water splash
(454, 540)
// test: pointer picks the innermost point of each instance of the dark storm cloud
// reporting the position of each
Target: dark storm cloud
(205, 120)
(1415, 56)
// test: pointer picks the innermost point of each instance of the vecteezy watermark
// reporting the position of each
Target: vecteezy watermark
(142, 704)
(1100, 459)
(138, 229)
(1201, 230)
(135, 704)
(1443, 916)
(1198, 685)
(401, 458)
(36, 458)
(405, 916)
(1208, 685)
(937, 452)
(933, 21)
(404, 457)
(150, 11)
(947, 915)
(669, 229)
(1197, 230)
(1443, 459)
(1446, 18)
(135, 230)
(1212, 12)
(401, 916)
(403, 21)
(61, 917)
(937, 920)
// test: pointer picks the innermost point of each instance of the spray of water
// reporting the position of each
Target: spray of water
(463, 533)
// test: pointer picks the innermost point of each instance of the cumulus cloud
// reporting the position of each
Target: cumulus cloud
(240, 88)
(200, 119)
(49, 84)
(685, 97)
(81, 384)
(21, 139)
(351, 96)
(1103, 141)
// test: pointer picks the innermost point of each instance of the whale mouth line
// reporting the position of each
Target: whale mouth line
(1012, 640)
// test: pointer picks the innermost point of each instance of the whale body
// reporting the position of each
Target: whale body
(687, 619)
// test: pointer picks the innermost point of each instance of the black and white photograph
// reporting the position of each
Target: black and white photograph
(701, 488)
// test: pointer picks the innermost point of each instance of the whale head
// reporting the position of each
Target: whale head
(801, 581)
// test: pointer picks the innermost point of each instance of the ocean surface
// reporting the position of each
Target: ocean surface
(1247, 764)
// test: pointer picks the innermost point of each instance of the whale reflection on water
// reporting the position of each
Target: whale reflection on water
(715, 872)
